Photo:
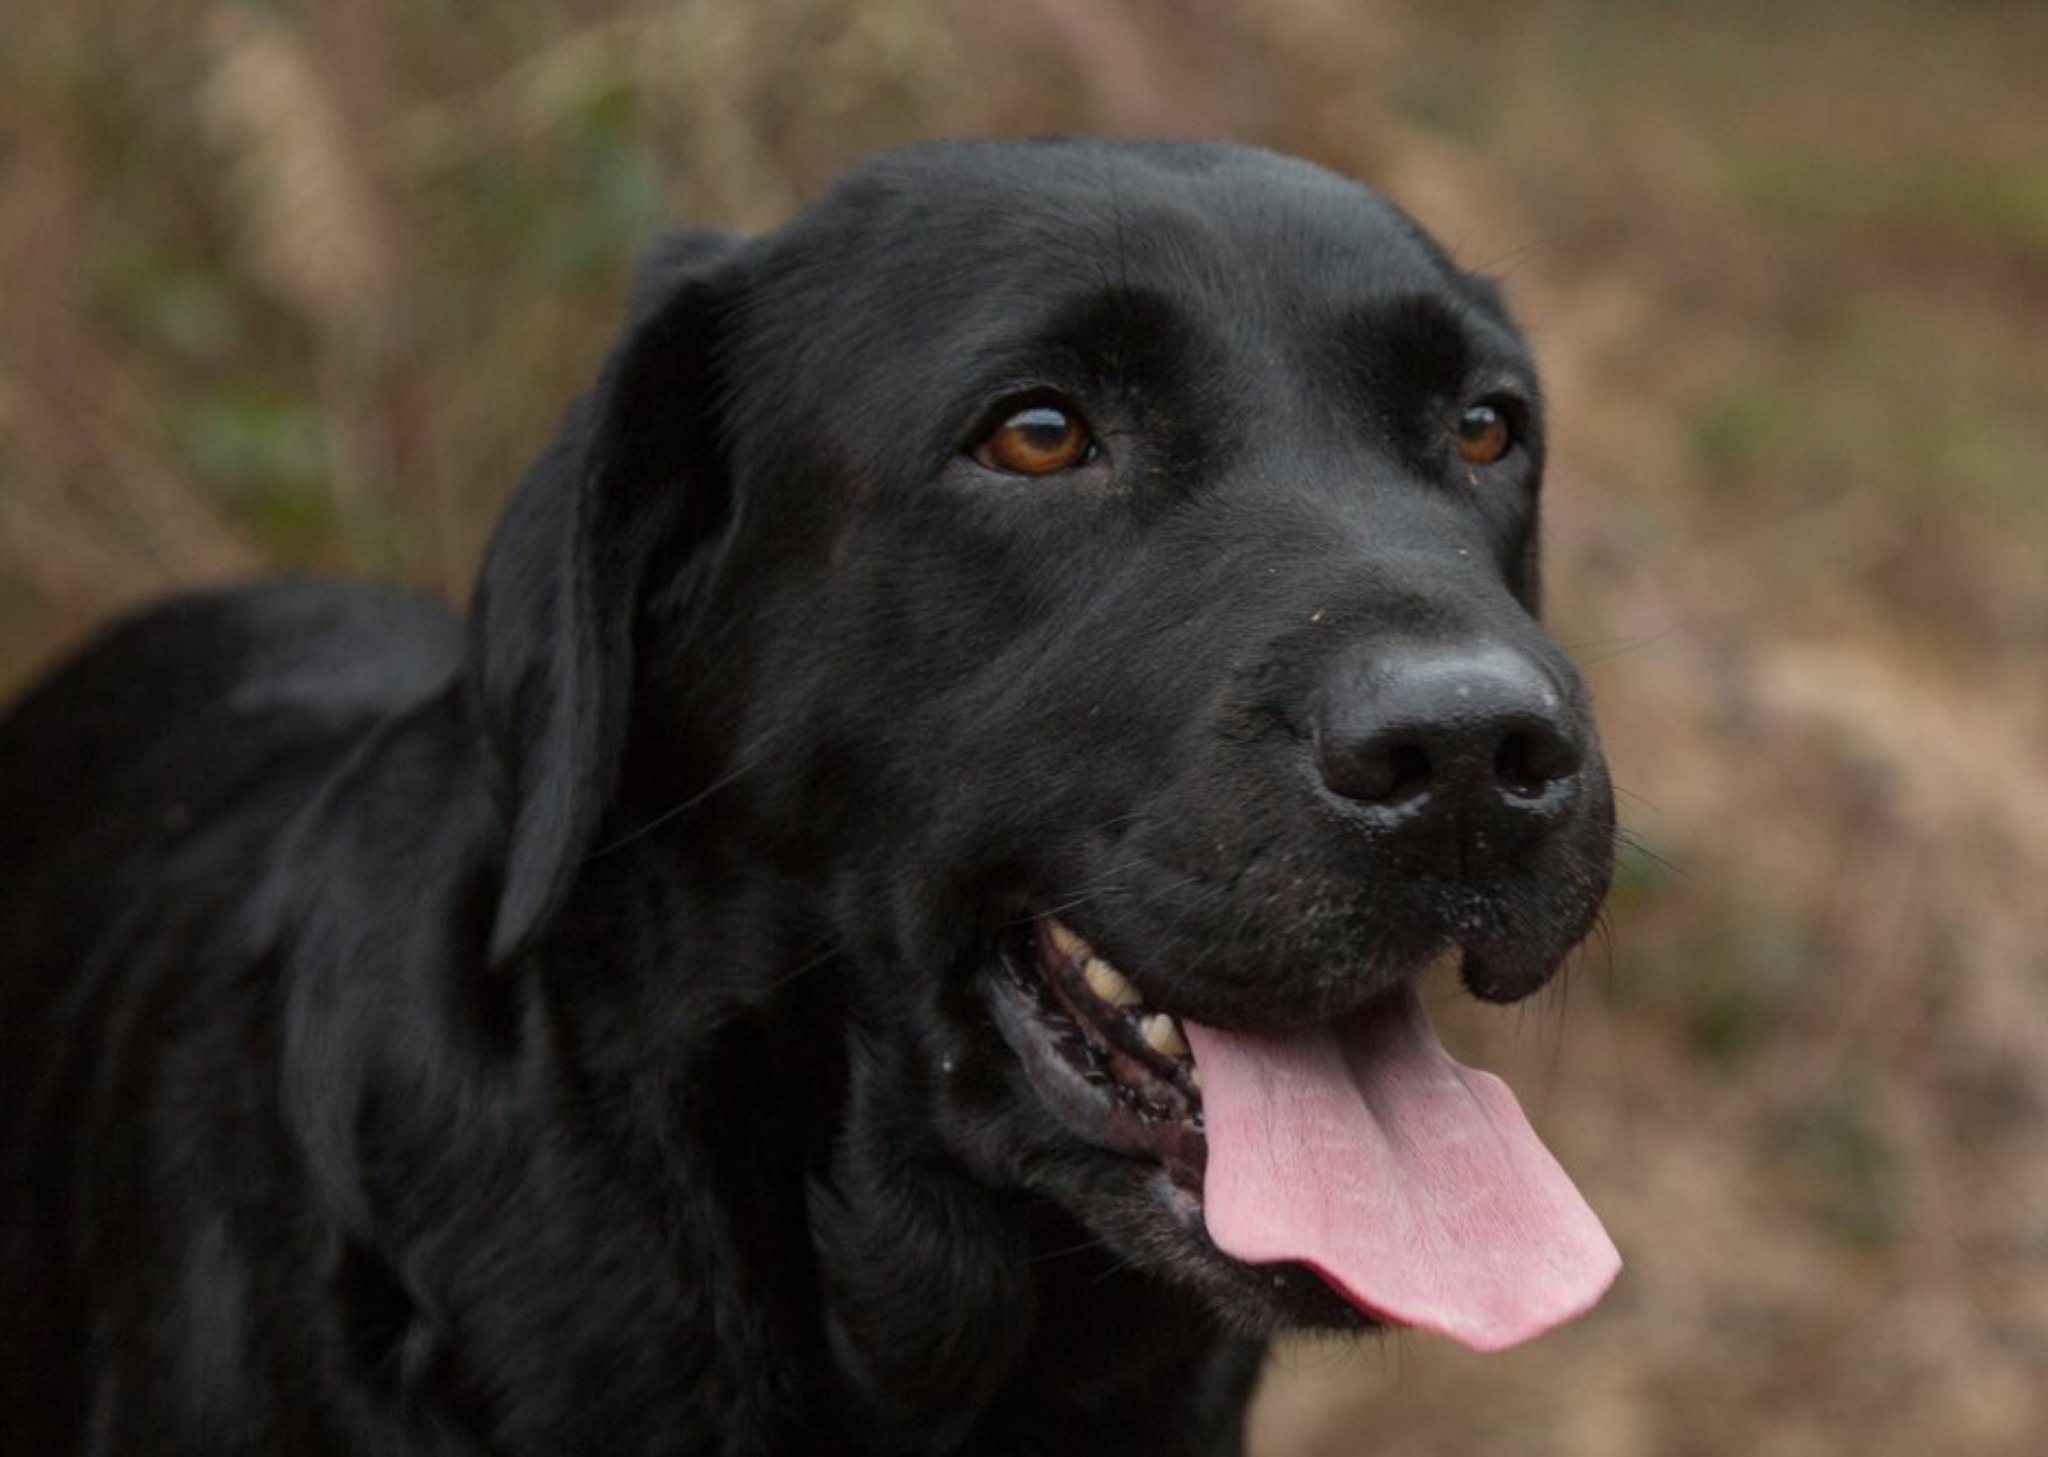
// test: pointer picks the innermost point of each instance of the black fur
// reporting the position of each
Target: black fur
(572, 1037)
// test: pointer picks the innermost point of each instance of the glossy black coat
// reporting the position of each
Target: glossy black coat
(565, 1032)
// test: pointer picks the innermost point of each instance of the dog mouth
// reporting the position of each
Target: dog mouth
(1119, 1074)
(1357, 1149)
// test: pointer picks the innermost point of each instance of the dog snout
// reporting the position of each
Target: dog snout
(1461, 752)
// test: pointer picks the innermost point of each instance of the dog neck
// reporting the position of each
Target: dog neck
(968, 1318)
(1119, 1362)
(956, 1316)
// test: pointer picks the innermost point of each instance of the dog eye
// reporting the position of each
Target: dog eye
(1036, 441)
(1486, 432)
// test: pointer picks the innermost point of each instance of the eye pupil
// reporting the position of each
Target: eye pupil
(1036, 441)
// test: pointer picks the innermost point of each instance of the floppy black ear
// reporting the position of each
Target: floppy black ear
(633, 484)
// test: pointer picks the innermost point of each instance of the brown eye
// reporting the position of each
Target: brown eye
(1485, 434)
(1036, 441)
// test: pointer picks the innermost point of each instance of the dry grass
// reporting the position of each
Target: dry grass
(307, 292)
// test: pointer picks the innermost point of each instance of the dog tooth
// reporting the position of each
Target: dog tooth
(1162, 1034)
(1195, 1076)
(1109, 984)
(1064, 941)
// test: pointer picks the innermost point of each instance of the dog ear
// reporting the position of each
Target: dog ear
(633, 483)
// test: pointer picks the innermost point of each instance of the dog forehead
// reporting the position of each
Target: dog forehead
(954, 225)
(927, 267)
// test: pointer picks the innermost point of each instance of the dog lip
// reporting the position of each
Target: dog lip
(1501, 979)
(1089, 1063)
(1083, 1106)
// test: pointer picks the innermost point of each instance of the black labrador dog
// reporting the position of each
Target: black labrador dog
(893, 926)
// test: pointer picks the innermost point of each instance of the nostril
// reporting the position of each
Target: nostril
(1406, 775)
(1529, 761)
(1382, 771)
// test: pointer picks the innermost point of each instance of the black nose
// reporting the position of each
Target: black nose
(1469, 749)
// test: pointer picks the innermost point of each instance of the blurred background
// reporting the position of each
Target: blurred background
(305, 286)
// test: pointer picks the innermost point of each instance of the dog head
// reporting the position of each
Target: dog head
(1103, 576)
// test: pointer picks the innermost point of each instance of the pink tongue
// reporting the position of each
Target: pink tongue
(1412, 1184)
